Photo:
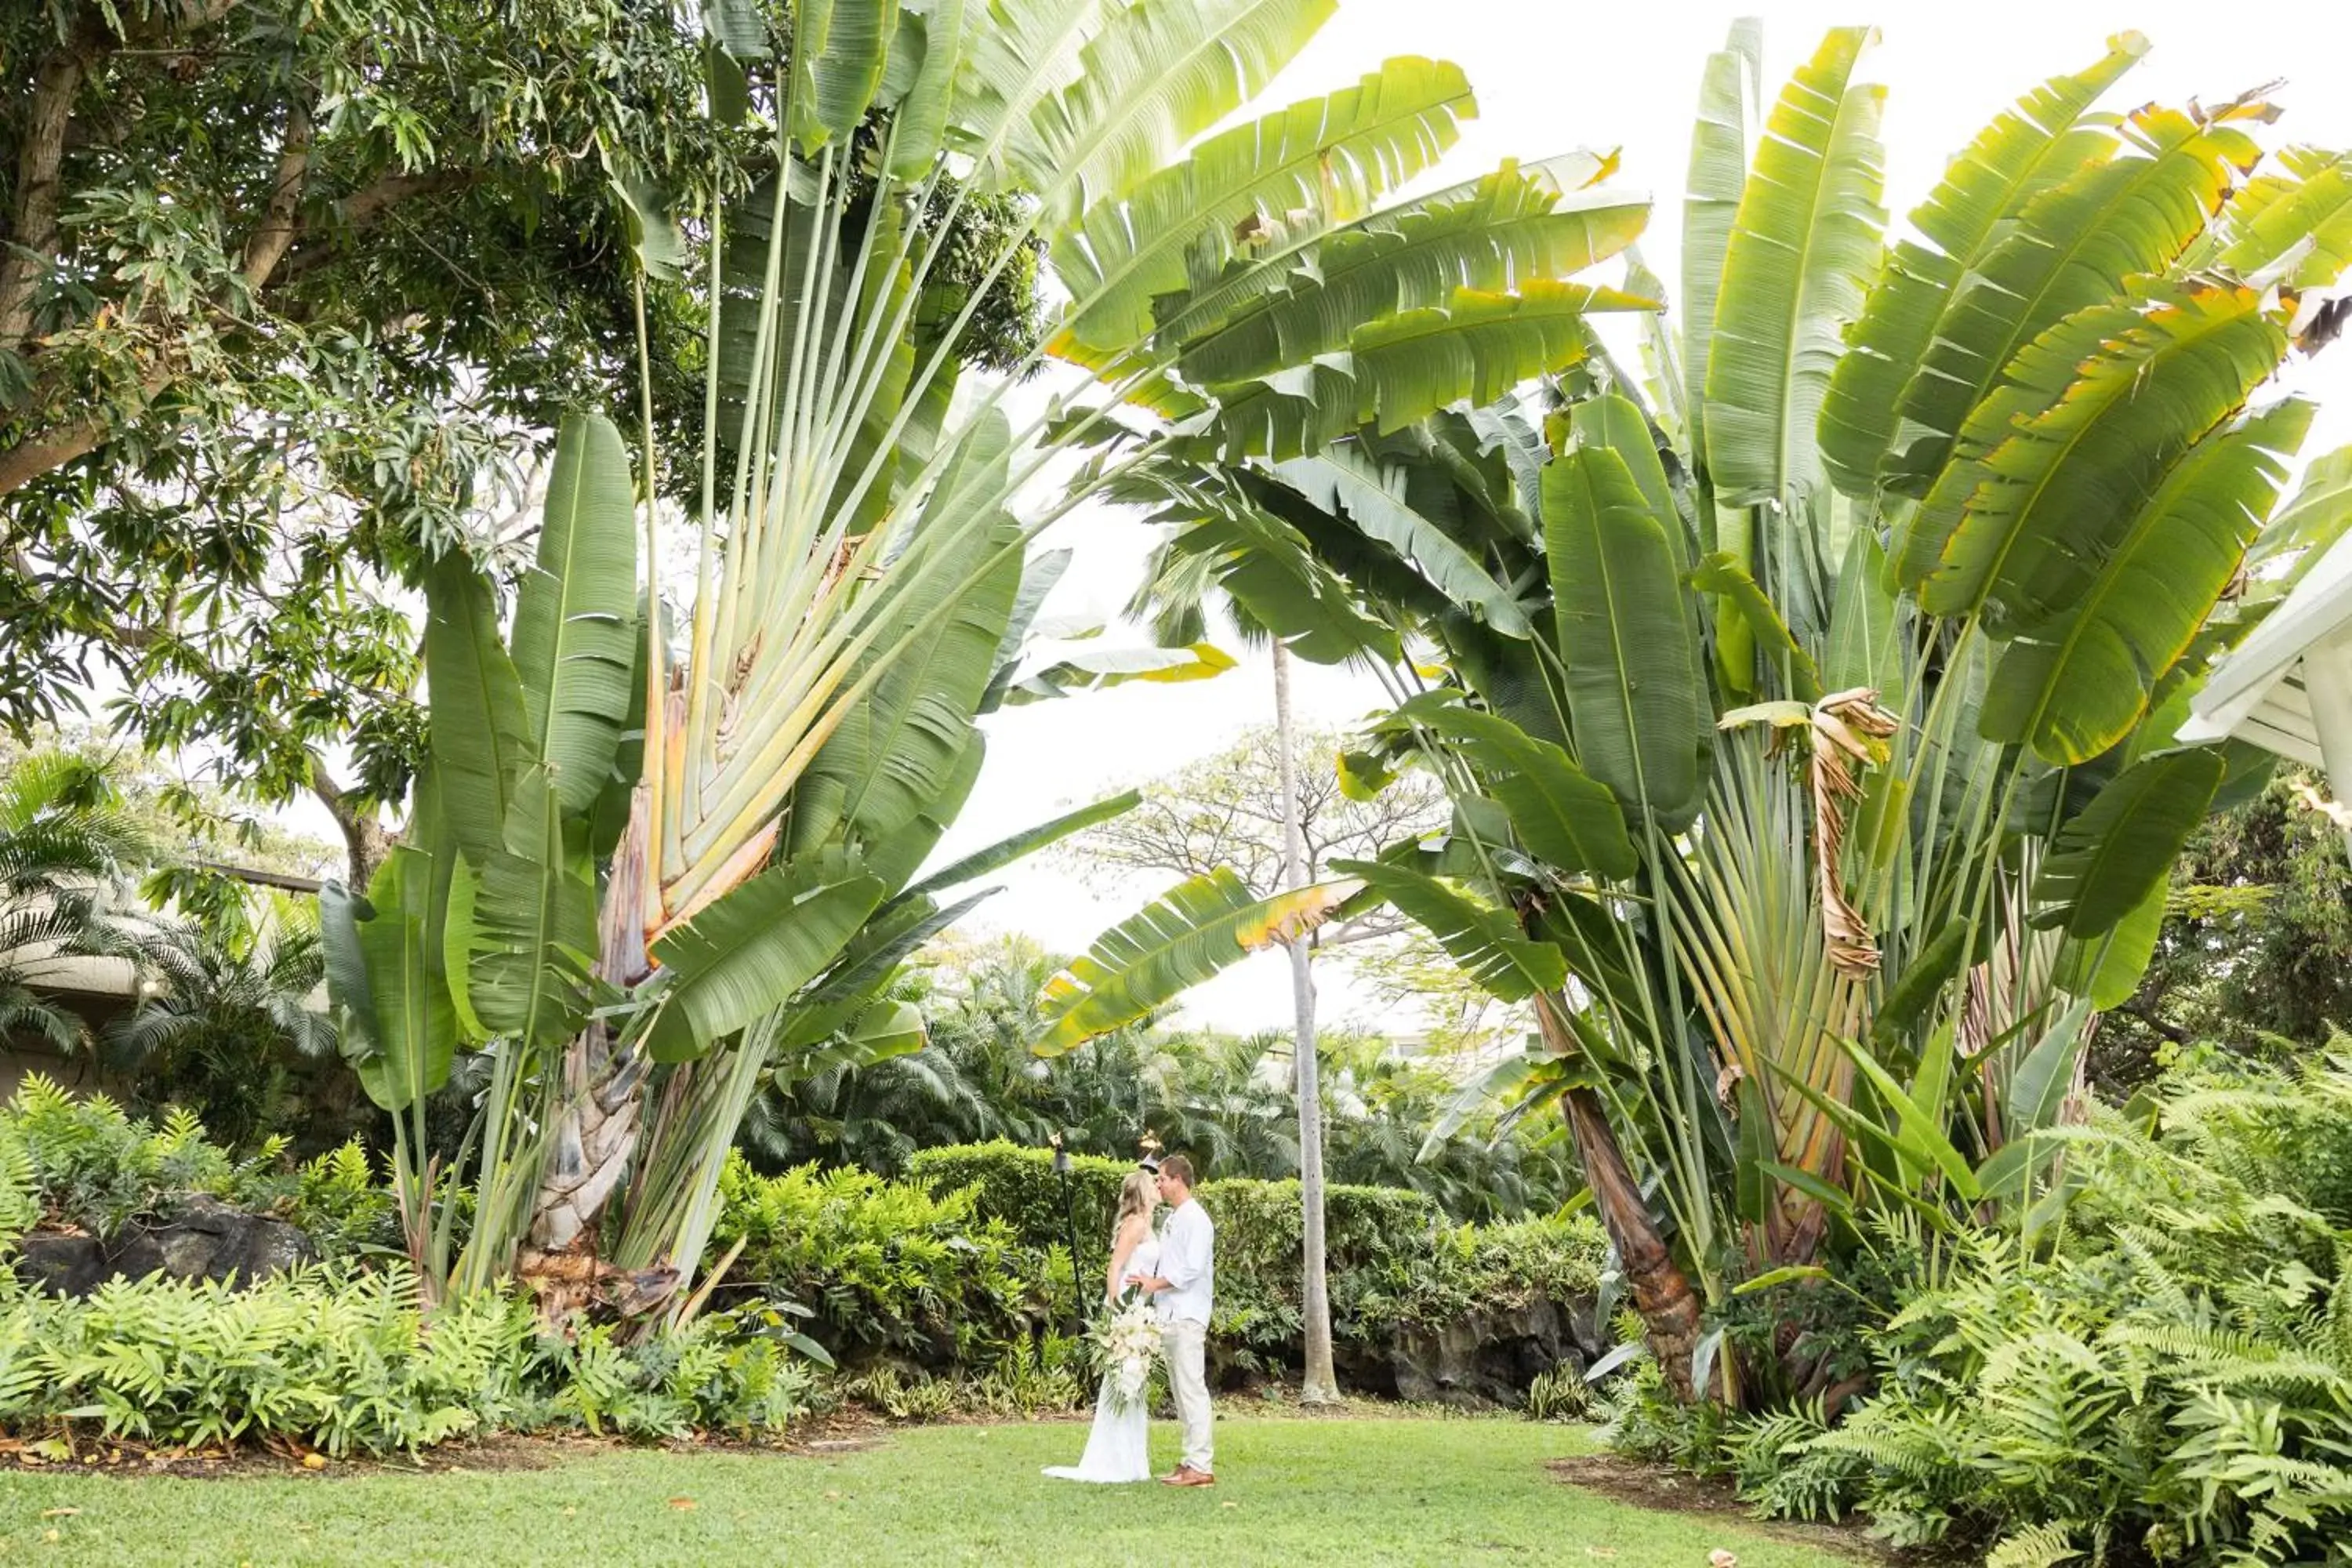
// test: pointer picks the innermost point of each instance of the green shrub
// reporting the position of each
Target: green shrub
(2165, 1376)
(1559, 1395)
(884, 1267)
(345, 1359)
(336, 1357)
(83, 1161)
(705, 1377)
(1020, 1186)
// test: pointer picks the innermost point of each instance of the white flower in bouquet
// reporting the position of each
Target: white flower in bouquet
(1125, 1345)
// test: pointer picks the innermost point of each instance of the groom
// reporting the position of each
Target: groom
(1182, 1289)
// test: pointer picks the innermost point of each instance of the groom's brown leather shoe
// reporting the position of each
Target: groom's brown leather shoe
(1186, 1476)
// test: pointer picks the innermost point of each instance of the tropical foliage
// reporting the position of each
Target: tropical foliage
(1807, 699)
(639, 935)
(2167, 1383)
(1223, 1099)
(65, 846)
(226, 1026)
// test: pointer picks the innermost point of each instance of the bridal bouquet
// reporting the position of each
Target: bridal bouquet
(1125, 1345)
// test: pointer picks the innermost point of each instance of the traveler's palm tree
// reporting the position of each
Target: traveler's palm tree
(1810, 703)
(645, 930)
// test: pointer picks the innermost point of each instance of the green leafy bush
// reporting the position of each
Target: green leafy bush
(2166, 1376)
(884, 1268)
(83, 1162)
(345, 1359)
(1020, 1186)
(335, 1356)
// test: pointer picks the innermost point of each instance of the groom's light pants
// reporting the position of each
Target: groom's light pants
(1187, 1345)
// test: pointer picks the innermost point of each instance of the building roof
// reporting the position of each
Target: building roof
(2263, 692)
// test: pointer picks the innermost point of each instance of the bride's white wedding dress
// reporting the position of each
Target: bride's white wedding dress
(1118, 1446)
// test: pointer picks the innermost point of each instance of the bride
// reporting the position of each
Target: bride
(1118, 1446)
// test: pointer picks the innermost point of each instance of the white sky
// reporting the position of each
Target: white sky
(1551, 76)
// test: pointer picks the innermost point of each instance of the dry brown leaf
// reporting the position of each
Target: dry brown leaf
(682, 1504)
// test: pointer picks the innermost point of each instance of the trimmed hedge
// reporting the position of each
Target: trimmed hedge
(1019, 1187)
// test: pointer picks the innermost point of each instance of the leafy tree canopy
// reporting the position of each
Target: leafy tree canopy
(292, 294)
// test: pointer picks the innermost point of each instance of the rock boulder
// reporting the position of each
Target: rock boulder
(204, 1239)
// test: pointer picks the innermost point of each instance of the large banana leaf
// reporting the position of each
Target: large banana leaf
(1152, 75)
(523, 925)
(2052, 470)
(2304, 211)
(2111, 853)
(1318, 163)
(2311, 522)
(1199, 928)
(1717, 179)
(1638, 718)
(754, 946)
(2072, 247)
(2105, 970)
(840, 49)
(1347, 481)
(1562, 814)
(575, 632)
(480, 725)
(1484, 940)
(1472, 349)
(2074, 686)
(1512, 224)
(415, 1032)
(350, 995)
(888, 755)
(1264, 565)
(2033, 146)
(1802, 251)
(931, 52)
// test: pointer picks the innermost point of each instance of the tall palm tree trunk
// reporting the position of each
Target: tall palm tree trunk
(1318, 1385)
(1662, 1295)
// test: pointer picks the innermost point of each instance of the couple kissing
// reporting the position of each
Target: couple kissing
(1172, 1276)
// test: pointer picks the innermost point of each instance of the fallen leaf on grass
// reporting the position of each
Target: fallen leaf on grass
(60, 1512)
(1719, 1558)
(682, 1504)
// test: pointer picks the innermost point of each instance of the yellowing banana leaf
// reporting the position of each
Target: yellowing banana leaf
(1199, 928)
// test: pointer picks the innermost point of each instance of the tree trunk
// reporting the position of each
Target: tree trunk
(365, 842)
(1662, 1295)
(1318, 1385)
(602, 1111)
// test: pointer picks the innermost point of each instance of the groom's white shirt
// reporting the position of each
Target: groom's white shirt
(1188, 1262)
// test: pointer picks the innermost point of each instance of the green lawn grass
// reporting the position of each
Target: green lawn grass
(1289, 1493)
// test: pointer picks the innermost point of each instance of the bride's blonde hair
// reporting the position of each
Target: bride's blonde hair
(1138, 1194)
